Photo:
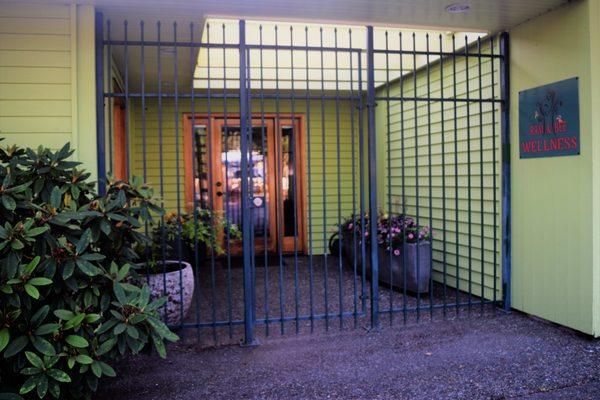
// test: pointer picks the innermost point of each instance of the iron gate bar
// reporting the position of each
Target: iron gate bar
(212, 173)
(494, 166)
(506, 189)
(225, 134)
(353, 149)
(469, 172)
(199, 167)
(429, 180)
(389, 174)
(222, 96)
(481, 194)
(278, 185)
(417, 208)
(294, 162)
(372, 144)
(246, 217)
(456, 213)
(309, 210)
(110, 102)
(443, 129)
(404, 272)
(324, 176)
(339, 180)
(100, 134)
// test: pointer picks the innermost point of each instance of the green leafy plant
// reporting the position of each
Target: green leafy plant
(189, 230)
(69, 305)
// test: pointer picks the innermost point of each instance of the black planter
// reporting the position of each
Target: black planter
(418, 269)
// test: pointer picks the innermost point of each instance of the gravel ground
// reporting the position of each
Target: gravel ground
(501, 356)
(219, 297)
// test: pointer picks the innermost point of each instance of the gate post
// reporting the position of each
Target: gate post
(100, 134)
(373, 211)
(246, 211)
(505, 146)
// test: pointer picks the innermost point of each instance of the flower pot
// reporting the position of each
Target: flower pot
(418, 269)
(177, 284)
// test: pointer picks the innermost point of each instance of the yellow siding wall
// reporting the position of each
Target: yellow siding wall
(47, 76)
(552, 201)
(484, 256)
(315, 181)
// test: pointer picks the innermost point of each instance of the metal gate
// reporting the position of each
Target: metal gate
(273, 146)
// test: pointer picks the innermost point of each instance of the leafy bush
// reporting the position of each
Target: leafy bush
(68, 303)
(186, 229)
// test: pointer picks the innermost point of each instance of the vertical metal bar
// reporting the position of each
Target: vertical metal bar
(469, 222)
(228, 211)
(308, 189)
(100, 134)
(278, 187)
(294, 161)
(324, 176)
(163, 239)
(339, 181)
(417, 197)
(361, 171)
(456, 213)
(404, 270)
(443, 137)
(505, 144)
(143, 90)
(389, 177)
(481, 192)
(211, 174)
(111, 101)
(372, 144)
(494, 179)
(126, 62)
(197, 174)
(353, 149)
(265, 183)
(246, 217)
(178, 241)
(429, 180)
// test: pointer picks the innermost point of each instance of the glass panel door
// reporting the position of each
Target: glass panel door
(227, 186)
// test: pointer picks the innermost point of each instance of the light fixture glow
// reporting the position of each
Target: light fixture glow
(458, 8)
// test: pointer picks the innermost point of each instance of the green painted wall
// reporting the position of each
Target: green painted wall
(47, 77)
(555, 200)
(331, 167)
(595, 105)
(405, 131)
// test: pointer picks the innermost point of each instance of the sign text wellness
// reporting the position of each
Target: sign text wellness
(549, 120)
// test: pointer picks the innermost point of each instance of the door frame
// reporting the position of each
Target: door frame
(209, 120)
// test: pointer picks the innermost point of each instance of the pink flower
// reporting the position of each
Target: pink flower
(396, 252)
(410, 236)
(350, 226)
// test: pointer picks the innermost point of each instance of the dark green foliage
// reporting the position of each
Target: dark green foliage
(69, 305)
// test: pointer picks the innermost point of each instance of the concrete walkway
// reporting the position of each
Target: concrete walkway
(501, 357)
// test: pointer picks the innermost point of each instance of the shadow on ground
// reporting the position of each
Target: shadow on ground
(494, 357)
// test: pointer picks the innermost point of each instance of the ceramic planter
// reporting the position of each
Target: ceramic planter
(177, 284)
(418, 269)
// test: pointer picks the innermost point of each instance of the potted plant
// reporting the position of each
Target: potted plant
(403, 248)
(178, 242)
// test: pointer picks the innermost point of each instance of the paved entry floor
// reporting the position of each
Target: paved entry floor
(492, 357)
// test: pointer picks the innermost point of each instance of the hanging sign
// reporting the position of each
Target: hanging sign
(549, 120)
